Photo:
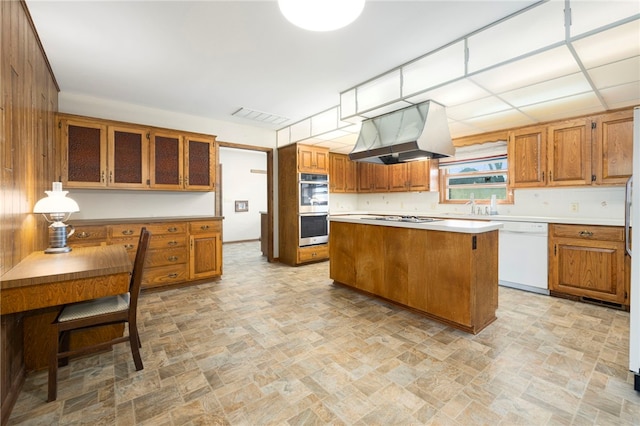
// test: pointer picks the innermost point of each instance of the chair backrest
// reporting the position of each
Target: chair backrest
(136, 274)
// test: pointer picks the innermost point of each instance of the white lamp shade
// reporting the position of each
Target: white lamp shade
(321, 15)
(56, 202)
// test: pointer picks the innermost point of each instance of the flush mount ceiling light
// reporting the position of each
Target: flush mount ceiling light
(321, 15)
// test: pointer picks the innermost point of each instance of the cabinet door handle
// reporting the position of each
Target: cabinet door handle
(173, 229)
(111, 176)
(174, 275)
(586, 233)
(204, 227)
(172, 243)
(128, 246)
(127, 232)
(102, 177)
(82, 234)
(172, 258)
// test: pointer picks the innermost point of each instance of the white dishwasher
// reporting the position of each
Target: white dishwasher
(523, 257)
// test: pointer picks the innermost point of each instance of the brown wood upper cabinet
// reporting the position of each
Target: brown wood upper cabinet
(343, 174)
(104, 154)
(95, 155)
(613, 148)
(180, 162)
(594, 150)
(313, 159)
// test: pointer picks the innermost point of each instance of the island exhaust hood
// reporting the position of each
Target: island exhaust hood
(414, 133)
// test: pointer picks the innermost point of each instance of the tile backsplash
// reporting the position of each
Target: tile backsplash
(592, 202)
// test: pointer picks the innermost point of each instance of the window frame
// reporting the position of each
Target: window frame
(444, 176)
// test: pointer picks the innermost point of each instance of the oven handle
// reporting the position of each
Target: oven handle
(314, 214)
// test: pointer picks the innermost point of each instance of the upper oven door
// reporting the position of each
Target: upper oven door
(313, 193)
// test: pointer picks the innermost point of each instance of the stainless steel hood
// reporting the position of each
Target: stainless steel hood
(414, 133)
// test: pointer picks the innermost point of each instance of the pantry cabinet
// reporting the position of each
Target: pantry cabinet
(588, 262)
(290, 159)
(181, 249)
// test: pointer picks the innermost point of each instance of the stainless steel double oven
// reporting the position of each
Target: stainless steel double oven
(313, 208)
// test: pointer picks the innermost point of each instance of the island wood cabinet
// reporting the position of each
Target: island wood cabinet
(179, 161)
(450, 277)
(313, 159)
(289, 165)
(595, 150)
(100, 154)
(588, 262)
(180, 250)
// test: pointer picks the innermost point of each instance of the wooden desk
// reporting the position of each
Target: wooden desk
(41, 282)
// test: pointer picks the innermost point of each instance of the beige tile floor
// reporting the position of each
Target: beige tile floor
(272, 344)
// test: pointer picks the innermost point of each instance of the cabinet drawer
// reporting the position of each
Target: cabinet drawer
(88, 235)
(126, 230)
(308, 254)
(163, 275)
(130, 245)
(603, 233)
(205, 226)
(167, 241)
(166, 257)
(171, 228)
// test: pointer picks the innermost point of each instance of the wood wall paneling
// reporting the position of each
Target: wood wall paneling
(27, 156)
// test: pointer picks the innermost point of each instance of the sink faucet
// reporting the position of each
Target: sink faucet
(472, 201)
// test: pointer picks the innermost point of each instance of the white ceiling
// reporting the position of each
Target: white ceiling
(211, 58)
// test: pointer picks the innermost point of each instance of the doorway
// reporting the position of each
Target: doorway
(237, 201)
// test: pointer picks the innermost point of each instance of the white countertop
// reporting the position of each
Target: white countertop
(502, 218)
(447, 225)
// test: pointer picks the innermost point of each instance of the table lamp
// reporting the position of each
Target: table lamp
(56, 209)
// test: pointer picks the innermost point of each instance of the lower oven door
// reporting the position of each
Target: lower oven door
(314, 229)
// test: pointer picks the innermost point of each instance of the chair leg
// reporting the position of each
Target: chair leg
(64, 339)
(53, 366)
(134, 342)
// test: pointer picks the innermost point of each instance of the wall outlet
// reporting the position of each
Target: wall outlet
(575, 207)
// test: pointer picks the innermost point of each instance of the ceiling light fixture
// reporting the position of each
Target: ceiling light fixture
(321, 15)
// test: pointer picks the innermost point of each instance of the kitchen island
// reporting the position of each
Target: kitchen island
(446, 270)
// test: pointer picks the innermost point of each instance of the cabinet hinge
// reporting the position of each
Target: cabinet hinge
(148, 135)
(59, 124)
(626, 295)
(593, 178)
(593, 124)
(474, 242)
(555, 249)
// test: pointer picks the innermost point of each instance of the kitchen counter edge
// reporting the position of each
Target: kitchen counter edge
(446, 225)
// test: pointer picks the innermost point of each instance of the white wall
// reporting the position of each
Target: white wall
(243, 178)
(99, 204)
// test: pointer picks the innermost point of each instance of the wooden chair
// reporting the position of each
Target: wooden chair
(99, 312)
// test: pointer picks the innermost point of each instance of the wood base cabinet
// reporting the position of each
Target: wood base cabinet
(450, 277)
(180, 250)
(588, 263)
